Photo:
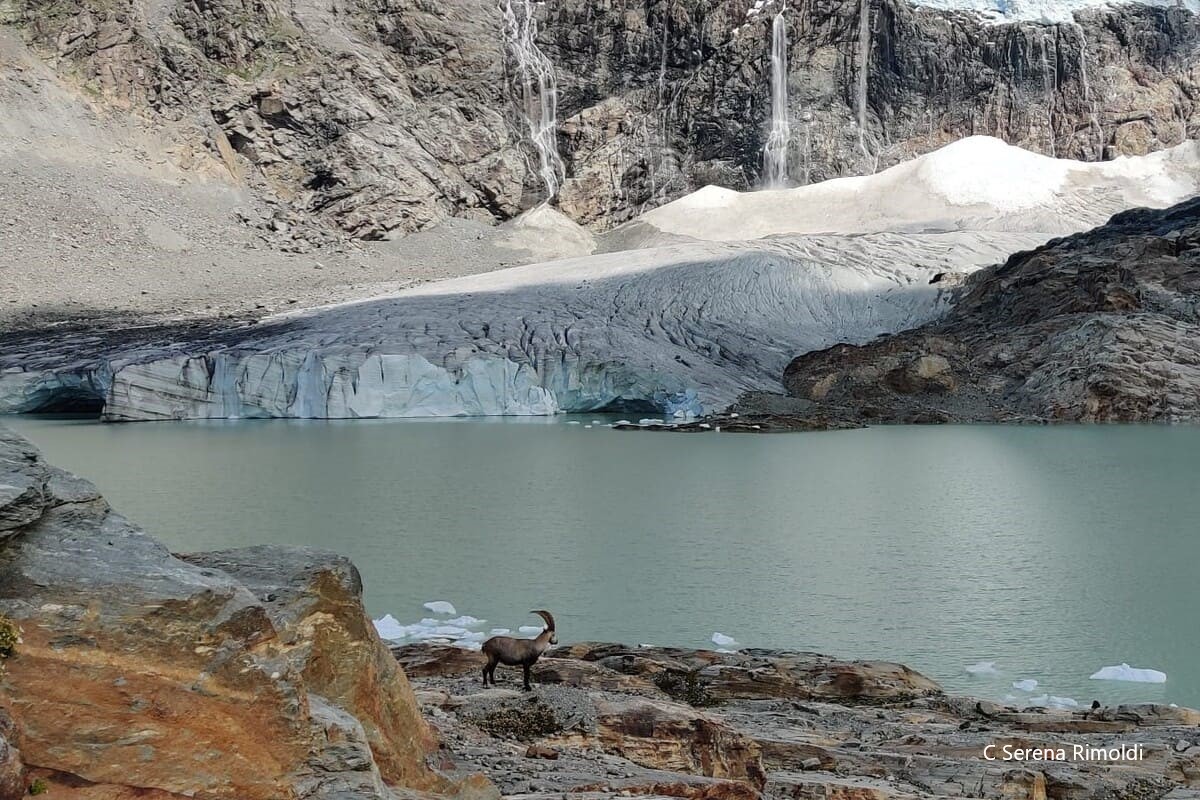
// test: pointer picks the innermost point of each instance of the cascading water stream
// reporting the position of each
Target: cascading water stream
(864, 59)
(775, 171)
(537, 87)
(1087, 86)
(1049, 80)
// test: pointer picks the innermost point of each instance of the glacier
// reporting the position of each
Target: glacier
(1044, 11)
(728, 288)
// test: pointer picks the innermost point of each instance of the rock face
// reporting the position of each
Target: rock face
(238, 676)
(382, 117)
(1098, 327)
(705, 725)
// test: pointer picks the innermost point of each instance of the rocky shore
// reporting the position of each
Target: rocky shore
(607, 719)
(255, 673)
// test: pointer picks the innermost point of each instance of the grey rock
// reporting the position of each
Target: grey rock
(383, 118)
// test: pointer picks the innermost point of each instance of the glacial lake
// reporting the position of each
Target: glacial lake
(1049, 551)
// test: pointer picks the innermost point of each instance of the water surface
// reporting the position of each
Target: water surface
(1051, 551)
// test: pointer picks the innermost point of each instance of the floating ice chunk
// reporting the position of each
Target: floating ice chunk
(1124, 672)
(390, 628)
(529, 629)
(440, 607)
(983, 668)
(721, 640)
(622, 422)
(500, 631)
(725, 650)
(1026, 685)
(1050, 701)
(477, 636)
(469, 645)
(465, 621)
(449, 630)
(572, 422)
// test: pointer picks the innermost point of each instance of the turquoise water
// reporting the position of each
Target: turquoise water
(1051, 551)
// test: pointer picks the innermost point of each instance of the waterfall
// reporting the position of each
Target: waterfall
(864, 59)
(776, 149)
(1087, 88)
(538, 90)
(1048, 87)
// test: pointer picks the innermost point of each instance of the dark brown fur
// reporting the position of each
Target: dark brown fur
(518, 652)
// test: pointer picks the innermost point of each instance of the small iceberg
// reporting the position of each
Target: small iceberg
(440, 607)
(1026, 685)
(721, 640)
(982, 668)
(529, 629)
(389, 628)
(1124, 672)
(1050, 701)
(465, 621)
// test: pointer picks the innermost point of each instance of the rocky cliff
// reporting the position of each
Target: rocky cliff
(382, 117)
(242, 674)
(1097, 327)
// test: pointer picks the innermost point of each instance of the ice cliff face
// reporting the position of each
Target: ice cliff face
(682, 328)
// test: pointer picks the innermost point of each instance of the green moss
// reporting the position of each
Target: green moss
(10, 637)
(685, 687)
(39, 786)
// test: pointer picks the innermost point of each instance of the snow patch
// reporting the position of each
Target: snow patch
(1124, 672)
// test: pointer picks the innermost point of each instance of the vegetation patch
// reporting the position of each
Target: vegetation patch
(10, 637)
(686, 687)
(532, 722)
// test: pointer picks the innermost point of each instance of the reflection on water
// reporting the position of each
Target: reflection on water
(1051, 551)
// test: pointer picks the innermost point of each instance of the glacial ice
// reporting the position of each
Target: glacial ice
(454, 632)
(976, 183)
(1025, 685)
(1045, 11)
(440, 607)
(682, 328)
(1124, 672)
(1050, 701)
(389, 628)
(983, 668)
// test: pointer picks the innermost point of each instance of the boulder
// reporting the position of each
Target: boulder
(142, 671)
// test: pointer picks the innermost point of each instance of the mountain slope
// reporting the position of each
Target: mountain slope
(384, 118)
(1101, 326)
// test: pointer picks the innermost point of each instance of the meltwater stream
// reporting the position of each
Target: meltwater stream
(1052, 552)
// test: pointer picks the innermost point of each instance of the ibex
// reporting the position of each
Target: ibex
(511, 652)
